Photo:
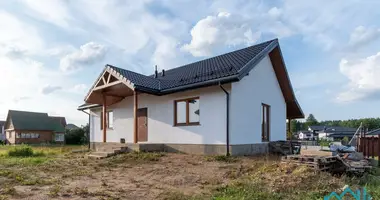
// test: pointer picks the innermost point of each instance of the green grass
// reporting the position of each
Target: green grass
(24, 155)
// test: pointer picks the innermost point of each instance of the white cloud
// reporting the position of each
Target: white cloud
(48, 89)
(363, 75)
(79, 88)
(215, 32)
(362, 36)
(88, 54)
(17, 35)
(53, 11)
(20, 98)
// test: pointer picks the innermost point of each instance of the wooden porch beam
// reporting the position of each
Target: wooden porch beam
(107, 85)
(135, 107)
(104, 116)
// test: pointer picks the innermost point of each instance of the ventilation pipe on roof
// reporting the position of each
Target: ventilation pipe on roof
(227, 120)
(155, 72)
(163, 72)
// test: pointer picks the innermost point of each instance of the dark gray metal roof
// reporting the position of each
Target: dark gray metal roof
(374, 132)
(214, 68)
(225, 68)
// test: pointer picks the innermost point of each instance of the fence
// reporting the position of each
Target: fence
(369, 146)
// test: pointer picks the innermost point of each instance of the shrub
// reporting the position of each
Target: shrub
(20, 151)
(345, 141)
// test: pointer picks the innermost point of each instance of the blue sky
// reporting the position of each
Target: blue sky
(52, 51)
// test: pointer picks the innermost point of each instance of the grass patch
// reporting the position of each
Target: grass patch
(222, 158)
(20, 151)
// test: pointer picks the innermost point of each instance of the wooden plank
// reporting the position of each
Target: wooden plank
(104, 118)
(135, 107)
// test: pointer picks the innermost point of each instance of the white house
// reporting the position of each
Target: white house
(305, 135)
(232, 103)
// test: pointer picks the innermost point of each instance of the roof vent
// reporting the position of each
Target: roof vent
(163, 72)
(155, 72)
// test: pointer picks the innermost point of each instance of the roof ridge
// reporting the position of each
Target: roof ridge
(28, 111)
(223, 54)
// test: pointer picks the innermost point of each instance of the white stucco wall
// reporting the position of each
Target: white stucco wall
(247, 96)
(212, 128)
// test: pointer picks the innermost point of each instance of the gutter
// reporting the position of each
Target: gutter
(89, 128)
(227, 120)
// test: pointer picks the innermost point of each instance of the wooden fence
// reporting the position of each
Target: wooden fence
(369, 146)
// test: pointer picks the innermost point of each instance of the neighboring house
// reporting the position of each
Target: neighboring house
(335, 133)
(375, 132)
(71, 126)
(235, 102)
(306, 135)
(2, 131)
(33, 128)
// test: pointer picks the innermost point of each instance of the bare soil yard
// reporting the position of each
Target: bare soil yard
(59, 174)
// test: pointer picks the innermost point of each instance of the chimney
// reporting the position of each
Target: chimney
(163, 72)
(155, 72)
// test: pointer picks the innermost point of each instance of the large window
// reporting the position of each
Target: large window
(109, 120)
(265, 126)
(186, 112)
(27, 135)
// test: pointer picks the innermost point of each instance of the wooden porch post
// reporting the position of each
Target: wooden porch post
(135, 116)
(104, 116)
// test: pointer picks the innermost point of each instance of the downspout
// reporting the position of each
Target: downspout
(89, 128)
(227, 120)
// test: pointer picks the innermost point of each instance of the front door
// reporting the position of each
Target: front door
(142, 124)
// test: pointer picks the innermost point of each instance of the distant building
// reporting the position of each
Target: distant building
(305, 135)
(33, 128)
(2, 131)
(71, 126)
(334, 133)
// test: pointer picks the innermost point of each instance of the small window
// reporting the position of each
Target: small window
(109, 120)
(186, 112)
(59, 137)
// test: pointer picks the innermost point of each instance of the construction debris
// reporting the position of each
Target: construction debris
(285, 147)
(338, 163)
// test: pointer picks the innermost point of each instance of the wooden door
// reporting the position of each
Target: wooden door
(142, 124)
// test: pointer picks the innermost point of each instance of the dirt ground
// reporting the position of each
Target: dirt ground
(149, 176)
(160, 176)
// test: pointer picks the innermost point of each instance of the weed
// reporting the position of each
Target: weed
(82, 192)
(53, 192)
(8, 190)
(20, 151)
(222, 158)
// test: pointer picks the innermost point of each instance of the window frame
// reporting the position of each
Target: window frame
(107, 120)
(187, 123)
(265, 109)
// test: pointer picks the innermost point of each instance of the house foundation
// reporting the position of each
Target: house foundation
(200, 149)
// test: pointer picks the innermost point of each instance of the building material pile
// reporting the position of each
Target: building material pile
(284, 147)
(338, 163)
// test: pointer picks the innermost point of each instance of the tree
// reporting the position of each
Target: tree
(77, 135)
(310, 120)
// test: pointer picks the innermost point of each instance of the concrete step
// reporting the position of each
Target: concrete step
(105, 154)
(92, 156)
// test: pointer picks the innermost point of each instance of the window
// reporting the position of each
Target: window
(59, 137)
(186, 112)
(265, 126)
(109, 120)
(27, 135)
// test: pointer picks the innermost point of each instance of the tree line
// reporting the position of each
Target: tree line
(370, 123)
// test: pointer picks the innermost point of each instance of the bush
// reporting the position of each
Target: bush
(20, 151)
(345, 141)
(77, 135)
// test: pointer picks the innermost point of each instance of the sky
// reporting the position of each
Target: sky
(52, 51)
